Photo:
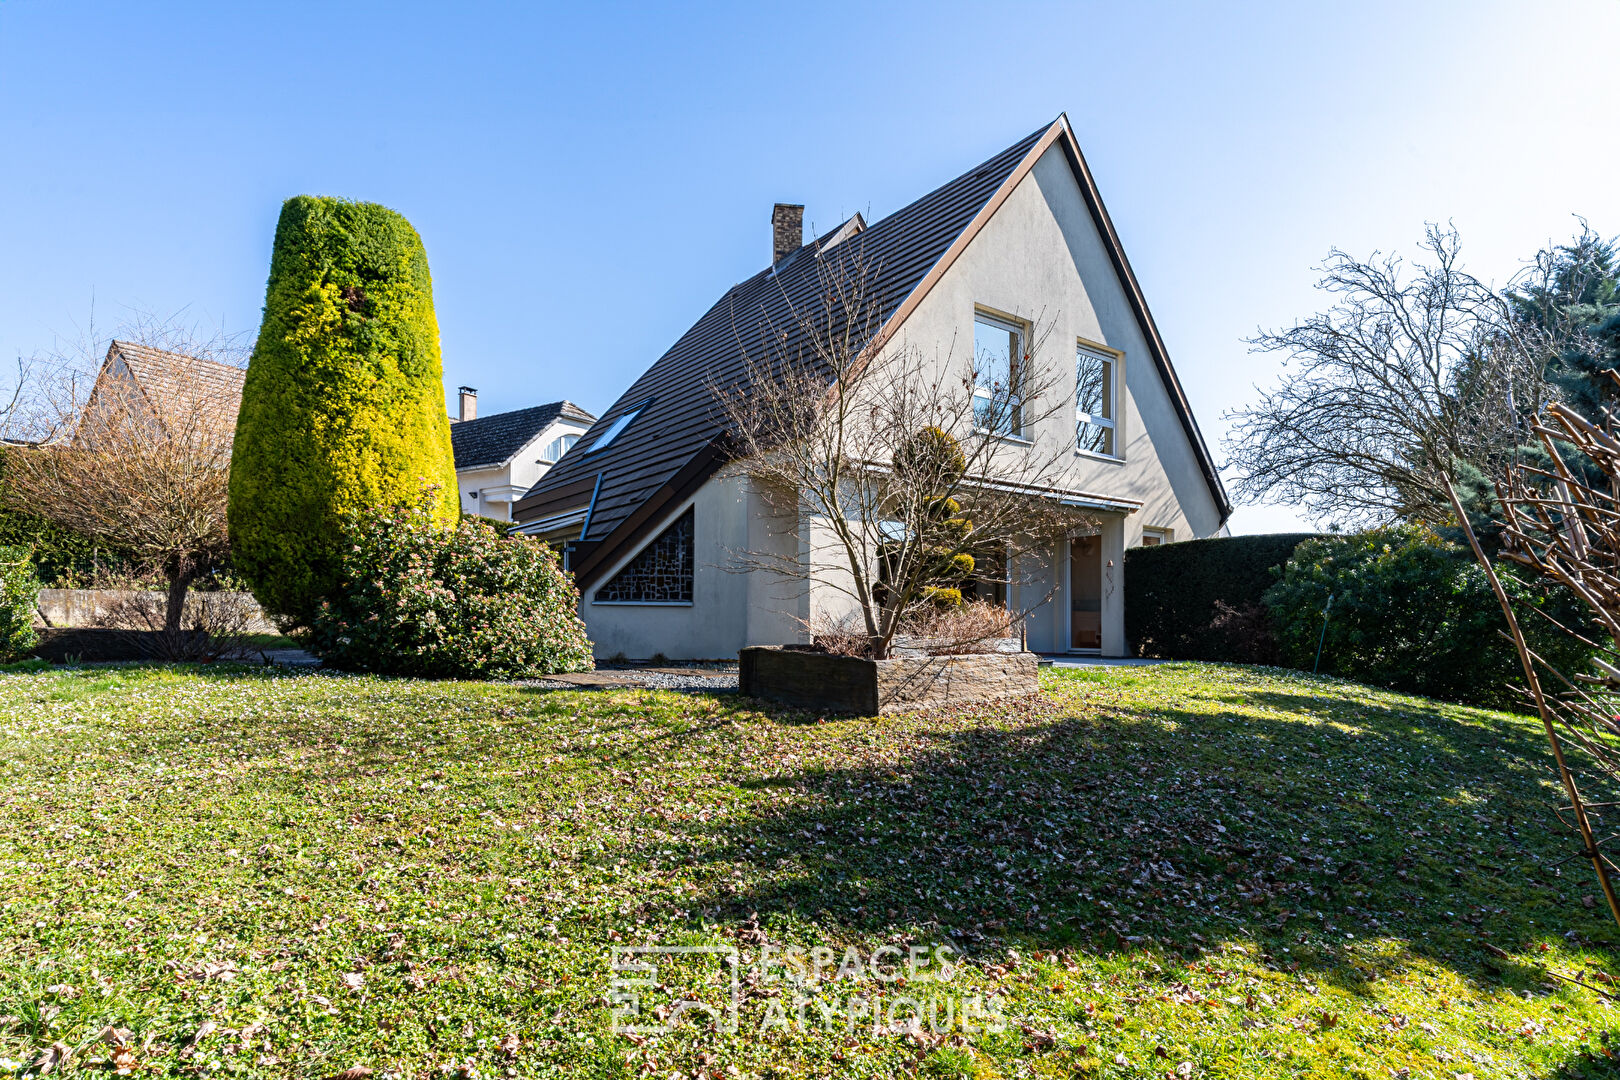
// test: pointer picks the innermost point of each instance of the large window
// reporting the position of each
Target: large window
(998, 360)
(1095, 378)
(660, 574)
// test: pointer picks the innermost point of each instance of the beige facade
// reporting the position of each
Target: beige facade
(1038, 256)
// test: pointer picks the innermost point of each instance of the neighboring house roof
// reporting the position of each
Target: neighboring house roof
(492, 441)
(676, 441)
(171, 381)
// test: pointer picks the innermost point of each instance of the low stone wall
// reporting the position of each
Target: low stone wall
(87, 607)
(831, 683)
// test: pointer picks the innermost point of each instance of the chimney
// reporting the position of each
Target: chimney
(469, 403)
(787, 230)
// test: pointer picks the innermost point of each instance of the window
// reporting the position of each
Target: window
(660, 574)
(557, 447)
(616, 427)
(1155, 537)
(998, 360)
(1095, 375)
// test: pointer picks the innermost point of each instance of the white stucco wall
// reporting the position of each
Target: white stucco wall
(487, 492)
(734, 602)
(1039, 257)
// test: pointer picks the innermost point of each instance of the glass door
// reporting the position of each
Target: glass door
(1085, 594)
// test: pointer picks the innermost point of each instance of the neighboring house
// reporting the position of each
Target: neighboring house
(500, 457)
(186, 394)
(654, 513)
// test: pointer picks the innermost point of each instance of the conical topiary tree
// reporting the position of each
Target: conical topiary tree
(343, 406)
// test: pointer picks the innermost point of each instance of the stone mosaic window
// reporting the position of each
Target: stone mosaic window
(660, 574)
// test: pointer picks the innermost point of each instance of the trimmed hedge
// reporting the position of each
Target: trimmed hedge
(1171, 592)
(343, 406)
(1414, 613)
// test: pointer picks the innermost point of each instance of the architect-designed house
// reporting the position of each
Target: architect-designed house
(653, 513)
(500, 457)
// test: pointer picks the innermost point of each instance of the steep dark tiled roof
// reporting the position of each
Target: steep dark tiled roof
(679, 419)
(492, 440)
(676, 440)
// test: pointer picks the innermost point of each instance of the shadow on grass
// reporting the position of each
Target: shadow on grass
(1426, 830)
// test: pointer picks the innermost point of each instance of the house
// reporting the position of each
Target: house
(654, 512)
(191, 396)
(500, 457)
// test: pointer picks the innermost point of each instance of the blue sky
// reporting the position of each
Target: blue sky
(589, 178)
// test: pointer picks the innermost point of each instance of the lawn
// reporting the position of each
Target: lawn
(1183, 870)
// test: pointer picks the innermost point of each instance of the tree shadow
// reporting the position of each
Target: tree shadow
(1424, 829)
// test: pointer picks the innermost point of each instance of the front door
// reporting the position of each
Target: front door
(1085, 594)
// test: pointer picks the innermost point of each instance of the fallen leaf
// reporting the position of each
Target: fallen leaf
(354, 1072)
(54, 1056)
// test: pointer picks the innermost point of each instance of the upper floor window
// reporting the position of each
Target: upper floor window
(998, 361)
(1154, 537)
(1094, 401)
(557, 447)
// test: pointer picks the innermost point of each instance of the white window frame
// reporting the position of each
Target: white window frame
(1015, 399)
(1110, 422)
(1163, 535)
(553, 453)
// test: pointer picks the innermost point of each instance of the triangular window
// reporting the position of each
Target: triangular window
(660, 574)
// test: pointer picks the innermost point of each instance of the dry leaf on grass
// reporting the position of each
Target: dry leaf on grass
(54, 1056)
(354, 1072)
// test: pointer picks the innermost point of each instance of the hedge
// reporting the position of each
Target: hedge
(1172, 592)
(343, 405)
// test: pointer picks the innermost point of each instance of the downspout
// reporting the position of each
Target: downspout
(585, 527)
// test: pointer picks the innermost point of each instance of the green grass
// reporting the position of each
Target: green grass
(1253, 873)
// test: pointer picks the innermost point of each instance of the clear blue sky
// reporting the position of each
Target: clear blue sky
(588, 178)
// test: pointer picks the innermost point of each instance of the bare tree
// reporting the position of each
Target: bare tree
(140, 466)
(910, 456)
(1403, 376)
(1562, 520)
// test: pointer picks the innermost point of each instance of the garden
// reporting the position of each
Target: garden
(1192, 870)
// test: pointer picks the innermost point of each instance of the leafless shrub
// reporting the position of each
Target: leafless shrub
(1562, 521)
(970, 628)
(830, 415)
(842, 637)
(139, 463)
(213, 626)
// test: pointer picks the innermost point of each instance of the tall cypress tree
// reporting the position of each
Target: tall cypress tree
(343, 405)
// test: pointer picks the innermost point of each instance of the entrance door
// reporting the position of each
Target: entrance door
(1085, 594)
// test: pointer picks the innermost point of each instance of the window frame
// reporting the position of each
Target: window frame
(617, 428)
(551, 446)
(1015, 374)
(673, 520)
(1162, 535)
(1115, 359)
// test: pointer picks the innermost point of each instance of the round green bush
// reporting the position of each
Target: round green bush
(1412, 612)
(19, 591)
(343, 405)
(416, 597)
